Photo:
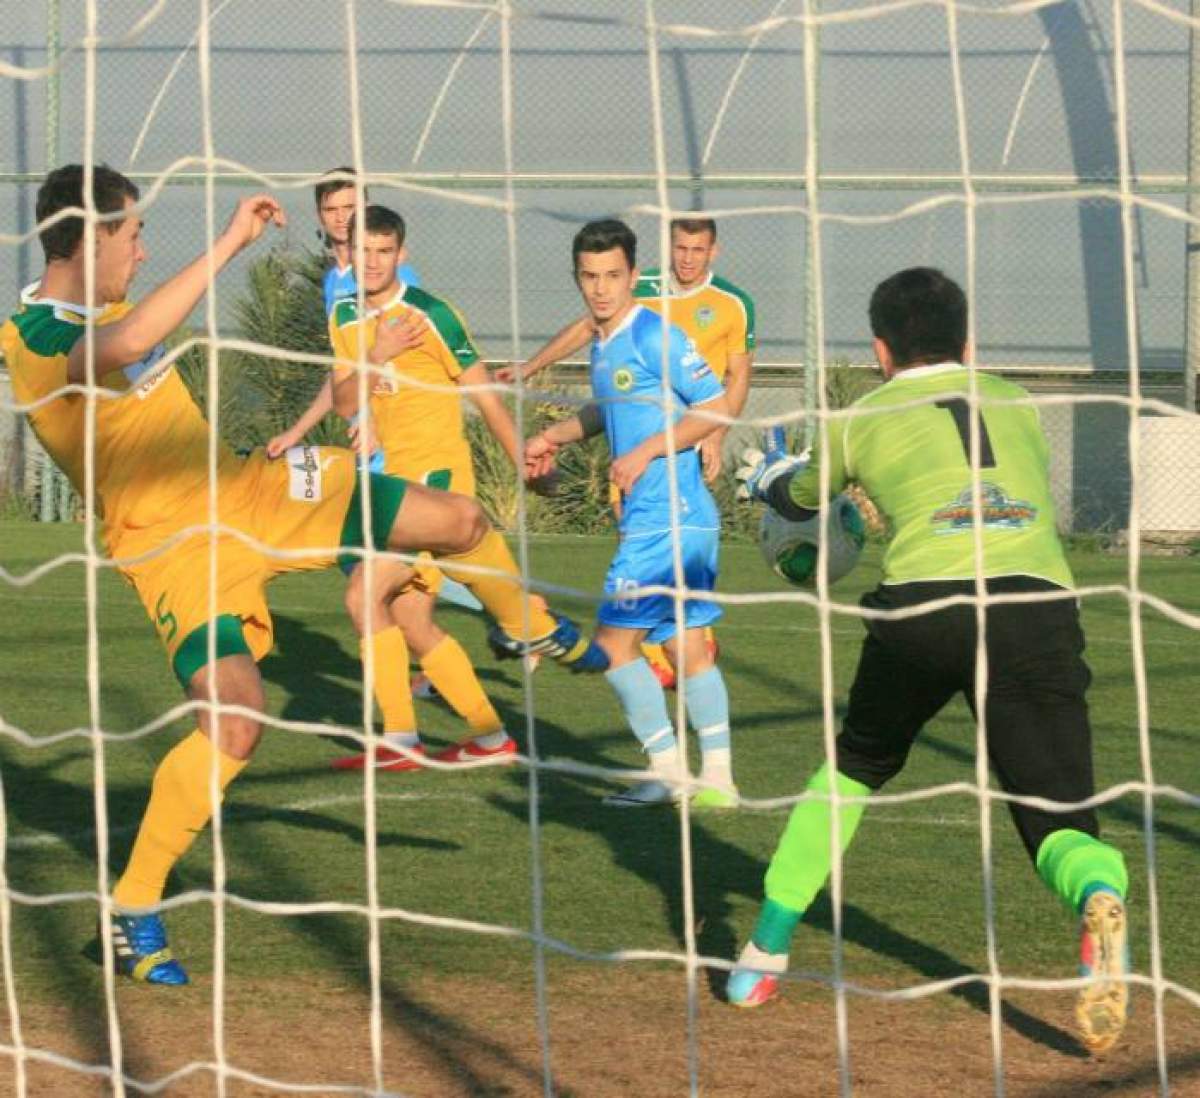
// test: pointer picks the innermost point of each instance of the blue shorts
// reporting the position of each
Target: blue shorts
(648, 561)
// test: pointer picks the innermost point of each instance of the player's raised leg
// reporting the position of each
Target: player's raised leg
(455, 529)
(181, 805)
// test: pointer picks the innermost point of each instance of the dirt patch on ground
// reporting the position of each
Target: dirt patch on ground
(613, 1032)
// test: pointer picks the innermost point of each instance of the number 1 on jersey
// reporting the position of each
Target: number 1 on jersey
(960, 412)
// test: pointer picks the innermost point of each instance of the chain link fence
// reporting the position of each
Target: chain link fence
(1039, 99)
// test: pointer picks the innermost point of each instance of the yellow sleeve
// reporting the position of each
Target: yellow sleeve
(345, 346)
(736, 343)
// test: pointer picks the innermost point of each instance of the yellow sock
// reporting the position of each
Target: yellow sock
(656, 658)
(179, 808)
(449, 669)
(501, 595)
(392, 690)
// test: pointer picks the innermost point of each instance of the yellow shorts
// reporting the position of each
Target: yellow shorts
(304, 505)
(456, 477)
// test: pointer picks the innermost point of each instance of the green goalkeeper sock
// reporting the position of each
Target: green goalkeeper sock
(801, 862)
(775, 927)
(1073, 865)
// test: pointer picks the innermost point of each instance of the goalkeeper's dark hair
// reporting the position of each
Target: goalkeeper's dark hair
(334, 180)
(380, 221)
(62, 189)
(921, 315)
(692, 225)
(603, 236)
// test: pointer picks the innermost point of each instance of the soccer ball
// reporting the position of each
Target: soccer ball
(791, 549)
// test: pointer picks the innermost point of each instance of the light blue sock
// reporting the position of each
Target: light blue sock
(707, 703)
(645, 705)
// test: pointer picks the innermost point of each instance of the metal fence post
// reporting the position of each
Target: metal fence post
(1191, 358)
(55, 490)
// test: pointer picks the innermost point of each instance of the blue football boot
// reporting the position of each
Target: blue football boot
(566, 644)
(141, 951)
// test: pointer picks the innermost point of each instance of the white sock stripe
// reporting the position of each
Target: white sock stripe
(662, 733)
(713, 730)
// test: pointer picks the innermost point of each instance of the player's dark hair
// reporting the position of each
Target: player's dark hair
(63, 188)
(334, 180)
(380, 221)
(921, 315)
(603, 236)
(695, 225)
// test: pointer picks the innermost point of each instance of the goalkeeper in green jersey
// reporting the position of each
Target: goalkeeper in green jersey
(910, 445)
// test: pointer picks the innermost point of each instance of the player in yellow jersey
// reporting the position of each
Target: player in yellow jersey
(154, 473)
(715, 314)
(415, 415)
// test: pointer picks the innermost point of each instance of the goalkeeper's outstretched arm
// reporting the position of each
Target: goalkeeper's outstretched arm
(167, 306)
(791, 484)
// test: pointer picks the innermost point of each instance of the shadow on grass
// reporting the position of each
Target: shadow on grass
(863, 929)
(1182, 1071)
(51, 941)
(648, 843)
(463, 1054)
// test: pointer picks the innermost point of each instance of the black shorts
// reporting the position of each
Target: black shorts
(1038, 734)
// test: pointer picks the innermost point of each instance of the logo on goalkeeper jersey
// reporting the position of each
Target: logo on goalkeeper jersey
(704, 317)
(304, 473)
(998, 510)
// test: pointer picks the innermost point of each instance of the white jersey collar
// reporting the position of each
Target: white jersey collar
(396, 299)
(605, 340)
(927, 371)
(677, 292)
(29, 297)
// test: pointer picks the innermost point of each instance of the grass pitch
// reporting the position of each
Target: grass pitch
(461, 845)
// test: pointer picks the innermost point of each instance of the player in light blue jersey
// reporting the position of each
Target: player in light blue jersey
(336, 204)
(635, 401)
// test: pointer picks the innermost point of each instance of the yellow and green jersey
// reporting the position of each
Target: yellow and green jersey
(907, 443)
(151, 442)
(415, 405)
(716, 315)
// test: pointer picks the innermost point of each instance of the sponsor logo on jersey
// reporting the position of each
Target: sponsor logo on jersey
(623, 379)
(704, 317)
(305, 470)
(1000, 511)
(693, 360)
(146, 374)
(385, 381)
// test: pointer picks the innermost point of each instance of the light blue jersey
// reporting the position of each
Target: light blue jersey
(627, 372)
(627, 378)
(339, 282)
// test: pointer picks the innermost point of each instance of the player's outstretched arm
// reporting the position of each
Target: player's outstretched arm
(167, 306)
(694, 426)
(541, 448)
(492, 408)
(316, 411)
(574, 337)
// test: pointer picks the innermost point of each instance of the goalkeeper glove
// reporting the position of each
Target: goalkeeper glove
(759, 471)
